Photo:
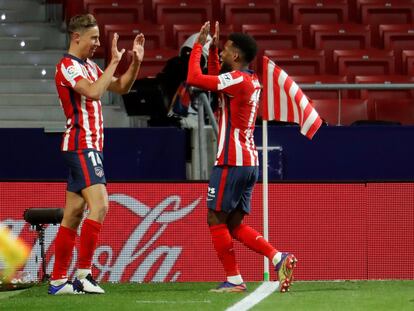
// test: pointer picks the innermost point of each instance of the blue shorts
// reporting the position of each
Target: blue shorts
(231, 187)
(85, 169)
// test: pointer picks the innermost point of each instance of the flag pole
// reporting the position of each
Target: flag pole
(266, 276)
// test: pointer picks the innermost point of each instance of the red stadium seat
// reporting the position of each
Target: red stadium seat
(116, 11)
(72, 8)
(170, 12)
(154, 61)
(329, 37)
(307, 12)
(408, 61)
(364, 62)
(113, 12)
(272, 36)
(400, 110)
(397, 38)
(154, 39)
(239, 12)
(320, 80)
(385, 94)
(376, 12)
(344, 112)
(298, 62)
(182, 32)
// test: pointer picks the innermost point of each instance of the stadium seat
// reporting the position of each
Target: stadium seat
(239, 12)
(72, 8)
(299, 61)
(183, 31)
(154, 61)
(154, 34)
(307, 12)
(397, 38)
(320, 80)
(329, 37)
(408, 61)
(400, 110)
(170, 12)
(113, 12)
(385, 94)
(116, 11)
(154, 39)
(272, 36)
(376, 12)
(344, 112)
(363, 62)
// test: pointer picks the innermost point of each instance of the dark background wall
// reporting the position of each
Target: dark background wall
(336, 153)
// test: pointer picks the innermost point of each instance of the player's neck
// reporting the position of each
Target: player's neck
(74, 52)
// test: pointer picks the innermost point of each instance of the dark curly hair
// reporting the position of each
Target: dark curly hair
(246, 44)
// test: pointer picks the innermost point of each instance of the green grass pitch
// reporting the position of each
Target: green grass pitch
(304, 296)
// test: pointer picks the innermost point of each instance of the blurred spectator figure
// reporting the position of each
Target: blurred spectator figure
(173, 78)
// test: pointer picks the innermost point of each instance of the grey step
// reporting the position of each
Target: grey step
(32, 113)
(51, 36)
(19, 4)
(43, 99)
(35, 86)
(113, 116)
(27, 72)
(29, 14)
(29, 99)
(55, 126)
(46, 57)
(22, 43)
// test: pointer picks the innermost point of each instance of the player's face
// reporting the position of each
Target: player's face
(89, 41)
(227, 57)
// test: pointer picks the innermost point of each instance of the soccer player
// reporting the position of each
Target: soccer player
(236, 168)
(80, 84)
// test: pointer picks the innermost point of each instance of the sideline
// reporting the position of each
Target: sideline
(254, 298)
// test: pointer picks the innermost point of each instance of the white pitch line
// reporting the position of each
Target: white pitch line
(254, 298)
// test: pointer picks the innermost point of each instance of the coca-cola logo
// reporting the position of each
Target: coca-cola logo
(115, 263)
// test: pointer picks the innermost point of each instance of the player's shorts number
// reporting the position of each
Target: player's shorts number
(95, 158)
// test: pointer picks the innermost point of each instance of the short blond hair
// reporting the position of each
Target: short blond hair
(79, 23)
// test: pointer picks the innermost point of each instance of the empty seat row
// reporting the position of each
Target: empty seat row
(348, 111)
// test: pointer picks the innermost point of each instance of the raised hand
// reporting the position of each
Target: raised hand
(204, 32)
(116, 55)
(138, 48)
(216, 37)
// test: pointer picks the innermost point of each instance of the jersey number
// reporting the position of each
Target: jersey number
(95, 158)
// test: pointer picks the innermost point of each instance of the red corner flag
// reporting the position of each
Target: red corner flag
(284, 101)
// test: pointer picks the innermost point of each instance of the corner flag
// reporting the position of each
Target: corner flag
(283, 100)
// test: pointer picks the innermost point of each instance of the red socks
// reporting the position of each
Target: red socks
(88, 242)
(254, 240)
(223, 244)
(64, 243)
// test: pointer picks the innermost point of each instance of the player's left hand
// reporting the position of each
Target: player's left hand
(138, 48)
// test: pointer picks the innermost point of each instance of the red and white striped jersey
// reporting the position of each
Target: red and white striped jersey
(84, 125)
(238, 105)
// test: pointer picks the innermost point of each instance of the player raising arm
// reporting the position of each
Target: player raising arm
(80, 84)
(236, 168)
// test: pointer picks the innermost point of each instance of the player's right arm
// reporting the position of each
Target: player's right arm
(95, 90)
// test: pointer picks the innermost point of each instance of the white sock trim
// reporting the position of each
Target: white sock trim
(235, 279)
(277, 258)
(58, 282)
(82, 273)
